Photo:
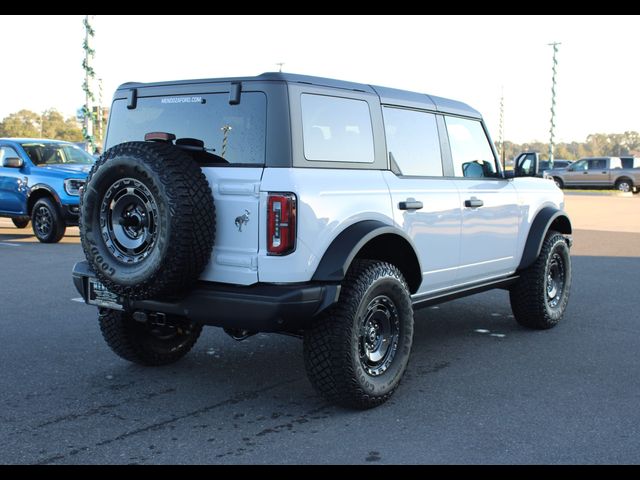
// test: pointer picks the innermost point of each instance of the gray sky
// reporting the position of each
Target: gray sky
(466, 58)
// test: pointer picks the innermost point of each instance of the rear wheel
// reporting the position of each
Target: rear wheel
(47, 222)
(624, 185)
(20, 222)
(158, 341)
(356, 354)
(540, 296)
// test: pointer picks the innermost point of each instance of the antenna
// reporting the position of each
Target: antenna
(280, 64)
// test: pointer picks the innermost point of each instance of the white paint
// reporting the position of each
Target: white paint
(7, 244)
(78, 299)
(481, 330)
(496, 315)
(498, 335)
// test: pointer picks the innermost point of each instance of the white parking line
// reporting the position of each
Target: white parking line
(78, 299)
(7, 244)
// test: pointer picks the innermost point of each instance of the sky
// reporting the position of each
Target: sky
(474, 59)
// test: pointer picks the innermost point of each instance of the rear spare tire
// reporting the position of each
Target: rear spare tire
(147, 220)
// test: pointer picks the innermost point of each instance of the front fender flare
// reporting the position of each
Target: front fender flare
(539, 228)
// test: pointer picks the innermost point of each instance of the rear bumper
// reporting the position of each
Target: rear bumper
(258, 308)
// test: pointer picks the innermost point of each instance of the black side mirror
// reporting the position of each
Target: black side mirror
(12, 162)
(526, 166)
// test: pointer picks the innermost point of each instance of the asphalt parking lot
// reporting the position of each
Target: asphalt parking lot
(479, 388)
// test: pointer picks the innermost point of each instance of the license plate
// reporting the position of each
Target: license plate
(100, 296)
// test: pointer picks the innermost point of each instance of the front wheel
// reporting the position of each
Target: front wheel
(48, 224)
(158, 341)
(356, 354)
(540, 296)
(558, 182)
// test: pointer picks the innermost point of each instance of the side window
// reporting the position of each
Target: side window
(7, 152)
(412, 142)
(579, 166)
(470, 149)
(336, 129)
(598, 164)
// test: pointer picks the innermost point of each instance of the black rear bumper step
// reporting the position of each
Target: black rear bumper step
(258, 308)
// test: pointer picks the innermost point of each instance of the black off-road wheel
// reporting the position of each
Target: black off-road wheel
(153, 343)
(21, 222)
(541, 294)
(147, 220)
(47, 222)
(356, 353)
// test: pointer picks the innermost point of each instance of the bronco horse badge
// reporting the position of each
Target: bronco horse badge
(242, 220)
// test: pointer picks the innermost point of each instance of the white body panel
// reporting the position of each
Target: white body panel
(234, 258)
(328, 202)
(455, 245)
(489, 233)
(434, 229)
(533, 195)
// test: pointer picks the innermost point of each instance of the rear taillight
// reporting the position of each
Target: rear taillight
(281, 223)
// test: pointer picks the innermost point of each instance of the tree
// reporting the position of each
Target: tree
(51, 124)
(24, 123)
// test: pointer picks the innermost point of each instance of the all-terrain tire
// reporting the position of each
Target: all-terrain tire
(147, 220)
(340, 360)
(146, 343)
(541, 294)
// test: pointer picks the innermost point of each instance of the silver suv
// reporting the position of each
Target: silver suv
(315, 207)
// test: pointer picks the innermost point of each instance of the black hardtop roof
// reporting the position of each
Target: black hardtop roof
(387, 95)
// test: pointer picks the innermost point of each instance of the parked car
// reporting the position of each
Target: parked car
(599, 172)
(40, 181)
(558, 164)
(323, 209)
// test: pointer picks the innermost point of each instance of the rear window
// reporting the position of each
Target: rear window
(233, 132)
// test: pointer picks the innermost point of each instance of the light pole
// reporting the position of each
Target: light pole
(501, 128)
(553, 101)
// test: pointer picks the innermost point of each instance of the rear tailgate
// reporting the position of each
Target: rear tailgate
(235, 250)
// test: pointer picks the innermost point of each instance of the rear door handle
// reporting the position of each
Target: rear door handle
(473, 202)
(410, 204)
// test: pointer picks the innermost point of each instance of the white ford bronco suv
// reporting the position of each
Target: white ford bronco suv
(320, 208)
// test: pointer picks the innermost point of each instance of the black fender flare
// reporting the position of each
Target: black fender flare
(338, 257)
(48, 189)
(539, 228)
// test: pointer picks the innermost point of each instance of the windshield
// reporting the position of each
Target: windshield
(57, 153)
(234, 134)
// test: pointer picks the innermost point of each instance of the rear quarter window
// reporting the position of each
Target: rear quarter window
(336, 129)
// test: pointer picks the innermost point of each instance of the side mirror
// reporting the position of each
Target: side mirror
(526, 165)
(12, 162)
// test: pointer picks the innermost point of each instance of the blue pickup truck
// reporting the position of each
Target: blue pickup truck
(40, 181)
